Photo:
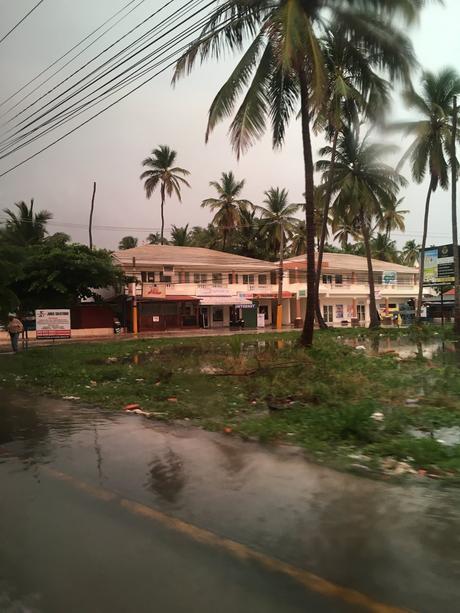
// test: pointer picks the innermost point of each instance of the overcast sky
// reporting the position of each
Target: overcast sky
(110, 149)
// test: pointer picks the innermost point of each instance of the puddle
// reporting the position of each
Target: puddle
(444, 351)
(446, 436)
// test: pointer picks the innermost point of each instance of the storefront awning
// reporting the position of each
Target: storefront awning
(224, 300)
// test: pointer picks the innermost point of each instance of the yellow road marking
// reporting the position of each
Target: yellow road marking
(309, 580)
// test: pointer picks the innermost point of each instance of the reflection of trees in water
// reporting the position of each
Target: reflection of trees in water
(166, 476)
(234, 461)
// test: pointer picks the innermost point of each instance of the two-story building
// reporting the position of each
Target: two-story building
(190, 287)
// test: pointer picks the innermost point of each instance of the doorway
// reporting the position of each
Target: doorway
(204, 317)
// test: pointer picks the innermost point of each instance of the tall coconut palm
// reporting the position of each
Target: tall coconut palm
(180, 236)
(228, 204)
(430, 152)
(24, 227)
(162, 172)
(362, 186)
(393, 218)
(383, 248)
(410, 253)
(283, 65)
(277, 222)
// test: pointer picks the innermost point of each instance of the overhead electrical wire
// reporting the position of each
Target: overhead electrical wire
(30, 119)
(35, 7)
(45, 70)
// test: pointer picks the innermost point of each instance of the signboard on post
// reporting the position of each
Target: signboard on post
(53, 323)
(439, 266)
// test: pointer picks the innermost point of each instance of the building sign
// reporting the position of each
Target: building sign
(439, 266)
(151, 290)
(389, 277)
(156, 319)
(53, 323)
(213, 291)
(302, 293)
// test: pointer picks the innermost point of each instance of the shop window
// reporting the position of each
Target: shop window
(327, 313)
(339, 311)
(218, 314)
(262, 279)
(248, 279)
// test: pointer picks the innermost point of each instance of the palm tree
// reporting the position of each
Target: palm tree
(298, 238)
(24, 227)
(430, 151)
(249, 236)
(283, 65)
(208, 237)
(410, 253)
(362, 186)
(383, 248)
(127, 242)
(278, 221)
(154, 238)
(228, 205)
(393, 218)
(180, 236)
(162, 172)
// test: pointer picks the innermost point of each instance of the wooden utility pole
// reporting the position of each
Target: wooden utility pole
(91, 217)
(454, 219)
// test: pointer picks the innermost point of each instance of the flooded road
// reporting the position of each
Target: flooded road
(104, 512)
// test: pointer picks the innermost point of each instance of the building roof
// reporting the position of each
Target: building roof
(190, 257)
(347, 261)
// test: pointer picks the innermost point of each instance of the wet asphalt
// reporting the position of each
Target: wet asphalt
(70, 478)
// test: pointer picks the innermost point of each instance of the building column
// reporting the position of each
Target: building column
(298, 313)
(355, 311)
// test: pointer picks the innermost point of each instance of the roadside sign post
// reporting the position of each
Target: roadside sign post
(52, 324)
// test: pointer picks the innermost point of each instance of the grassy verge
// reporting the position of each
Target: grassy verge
(345, 407)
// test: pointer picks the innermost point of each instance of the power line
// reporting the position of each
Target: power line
(5, 36)
(142, 66)
(5, 144)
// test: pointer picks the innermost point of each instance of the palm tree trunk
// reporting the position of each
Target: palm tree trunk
(373, 315)
(162, 213)
(280, 272)
(422, 258)
(306, 338)
(224, 241)
(327, 203)
(454, 220)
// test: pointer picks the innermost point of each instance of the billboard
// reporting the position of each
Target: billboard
(439, 265)
(53, 323)
(389, 277)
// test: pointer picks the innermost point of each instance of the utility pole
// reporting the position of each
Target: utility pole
(91, 217)
(454, 219)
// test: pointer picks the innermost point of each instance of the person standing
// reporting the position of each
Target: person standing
(15, 328)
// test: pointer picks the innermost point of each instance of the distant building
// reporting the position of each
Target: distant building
(190, 287)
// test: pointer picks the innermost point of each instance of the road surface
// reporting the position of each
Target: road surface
(110, 513)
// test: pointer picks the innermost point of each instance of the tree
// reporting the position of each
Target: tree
(60, 275)
(248, 238)
(430, 151)
(127, 242)
(363, 186)
(277, 222)
(155, 239)
(393, 218)
(24, 227)
(383, 248)
(162, 172)
(282, 64)
(180, 236)
(208, 237)
(410, 253)
(298, 238)
(228, 205)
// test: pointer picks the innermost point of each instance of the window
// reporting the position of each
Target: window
(327, 279)
(248, 279)
(230, 278)
(165, 278)
(338, 279)
(361, 312)
(262, 279)
(327, 313)
(217, 278)
(339, 311)
(218, 314)
(186, 277)
(199, 277)
(273, 277)
(148, 277)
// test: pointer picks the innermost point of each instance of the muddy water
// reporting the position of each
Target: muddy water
(398, 544)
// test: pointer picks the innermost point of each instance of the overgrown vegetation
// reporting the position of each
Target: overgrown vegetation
(266, 387)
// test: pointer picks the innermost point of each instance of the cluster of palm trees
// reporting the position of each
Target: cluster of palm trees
(333, 64)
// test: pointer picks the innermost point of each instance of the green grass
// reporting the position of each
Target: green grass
(267, 387)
